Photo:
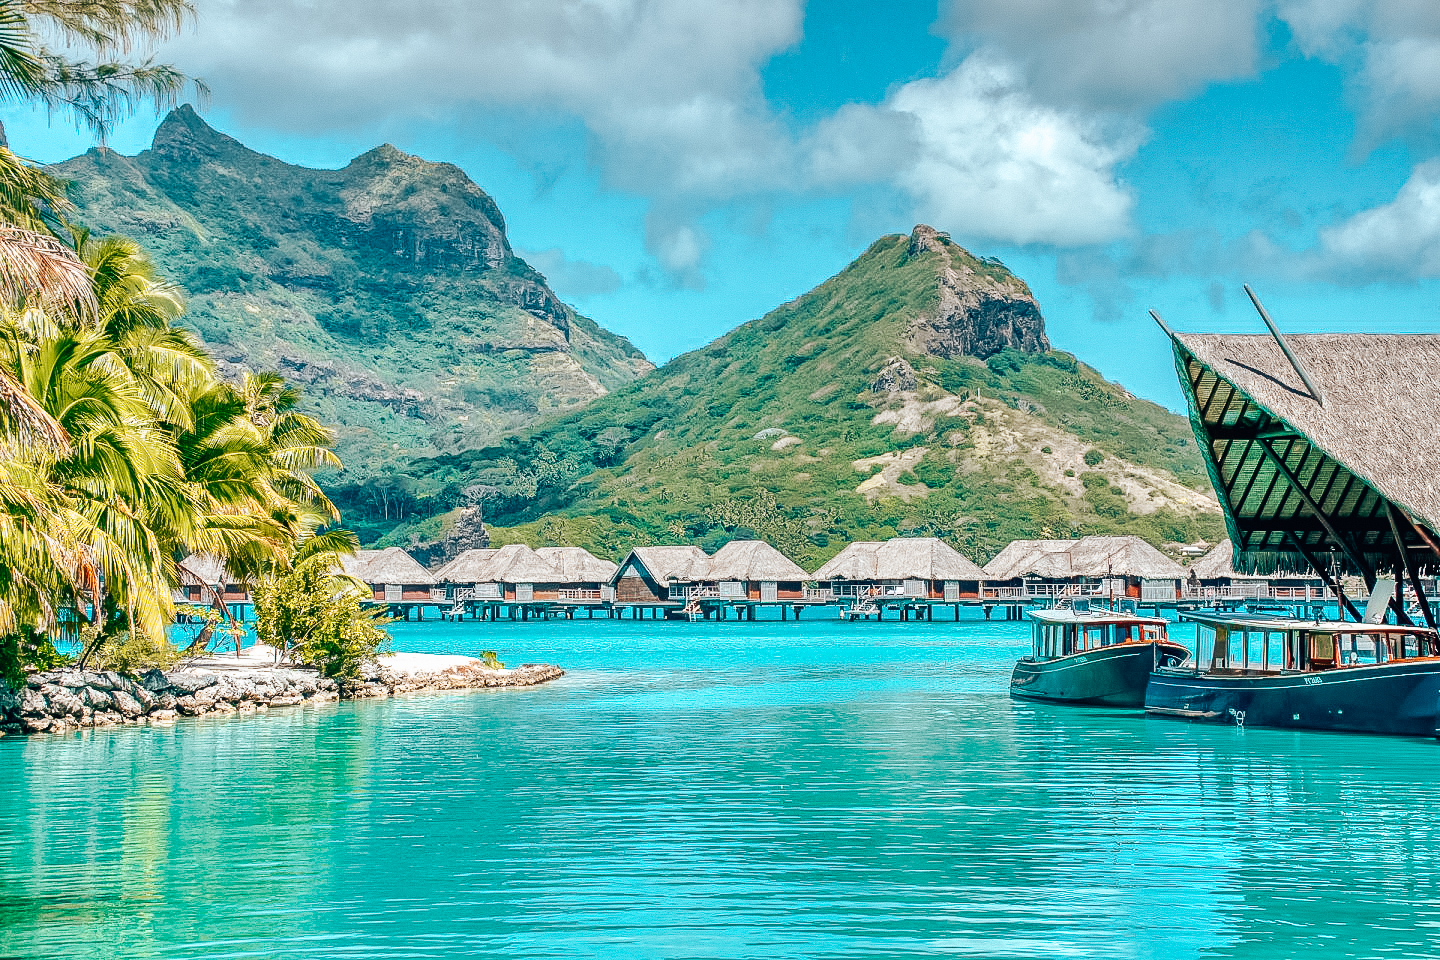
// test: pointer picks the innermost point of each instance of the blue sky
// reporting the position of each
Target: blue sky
(677, 167)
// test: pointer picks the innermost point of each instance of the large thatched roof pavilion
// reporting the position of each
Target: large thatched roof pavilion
(1324, 449)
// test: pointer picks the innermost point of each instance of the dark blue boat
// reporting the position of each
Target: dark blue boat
(1317, 675)
(1092, 657)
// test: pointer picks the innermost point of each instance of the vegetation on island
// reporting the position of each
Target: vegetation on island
(783, 429)
(121, 448)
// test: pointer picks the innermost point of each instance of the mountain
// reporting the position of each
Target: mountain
(387, 288)
(915, 393)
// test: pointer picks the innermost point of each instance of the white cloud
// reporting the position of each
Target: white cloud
(572, 279)
(1126, 54)
(670, 89)
(1396, 240)
(1390, 48)
(991, 161)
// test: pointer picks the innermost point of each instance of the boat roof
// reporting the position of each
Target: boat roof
(1091, 617)
(1262, 622)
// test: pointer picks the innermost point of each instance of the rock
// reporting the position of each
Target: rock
(114, 681)
(206, 696)
(36, 724)
(71, 679)
(162, 716)
(165, 701)
(32, 703)
(896, 376)
(97, 699)
(9, 699)
(186, 705)
(189, 681)
(142, 696)
(98, 681)
(224, 706)
(66, 703)
(154, 680)
(126, 704)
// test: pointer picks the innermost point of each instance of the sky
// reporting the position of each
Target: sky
(677, 167)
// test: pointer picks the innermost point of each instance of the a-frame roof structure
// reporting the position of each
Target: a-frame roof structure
(1324, 455)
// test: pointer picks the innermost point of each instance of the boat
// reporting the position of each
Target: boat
(1092, 657)
(1311, 674)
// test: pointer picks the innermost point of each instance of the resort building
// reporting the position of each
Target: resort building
(753, 570)
(515, 573)
(583, 577)
(659, 575)
(204, 581)
(1093, 567)
(393, 576)
(916, 567)
(1322, 448)
(1214, 578)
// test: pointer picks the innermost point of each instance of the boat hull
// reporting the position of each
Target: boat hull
(1393, 698)
(1110, 676)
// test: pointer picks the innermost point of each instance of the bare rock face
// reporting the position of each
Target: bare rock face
(897, 376)
(983, 309)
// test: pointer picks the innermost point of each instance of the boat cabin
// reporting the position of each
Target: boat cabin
(1253, 645)
(1064, 633)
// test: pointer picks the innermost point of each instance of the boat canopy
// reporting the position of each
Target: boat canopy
(1252, 644)
(1061, 633)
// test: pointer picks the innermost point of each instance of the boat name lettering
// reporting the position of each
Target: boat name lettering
(1314, 681)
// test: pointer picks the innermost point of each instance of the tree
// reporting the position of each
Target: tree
(316, 616)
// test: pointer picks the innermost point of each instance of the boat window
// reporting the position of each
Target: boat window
(1204, 643)
(1095, 636)
(1322, 651)
(1358, 649)
(1410, 646)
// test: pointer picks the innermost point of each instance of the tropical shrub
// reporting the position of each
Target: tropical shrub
(315, 616)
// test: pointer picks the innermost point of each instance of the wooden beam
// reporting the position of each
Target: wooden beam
(1309, 501)
(1420, 532)
(1325, 577)
(1404, 552)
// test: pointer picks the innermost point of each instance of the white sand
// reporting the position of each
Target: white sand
(259, 656)
(410, 664)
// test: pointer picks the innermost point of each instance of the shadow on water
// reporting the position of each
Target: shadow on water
(810, 790)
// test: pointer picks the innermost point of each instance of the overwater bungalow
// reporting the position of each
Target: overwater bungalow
(584, 577)
(204, 581)
(394, 577)
(1213, 578)
(1098, 568)
(659, 576)
(755, 571)
(918, 568)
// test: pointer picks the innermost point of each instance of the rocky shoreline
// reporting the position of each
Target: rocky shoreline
(61, 700)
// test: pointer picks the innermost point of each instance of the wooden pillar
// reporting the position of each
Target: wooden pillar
(1409, 568)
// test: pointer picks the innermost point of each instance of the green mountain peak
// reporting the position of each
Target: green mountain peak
(913, 393)
(387, 288)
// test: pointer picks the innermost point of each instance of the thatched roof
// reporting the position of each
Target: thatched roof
(391, 565)
(900, 558)
(518, 563)
(203, 569)
(752, 560)
(686, 564)
(577, 565)
(468, 567)
(1374, 438)
(1219, 564)
(1091, 557)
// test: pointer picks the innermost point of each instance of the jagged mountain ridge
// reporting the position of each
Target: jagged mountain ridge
(387, 288)
(913, 393)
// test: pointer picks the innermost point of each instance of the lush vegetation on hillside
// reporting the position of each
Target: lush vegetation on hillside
(387, 288)
(762, 430)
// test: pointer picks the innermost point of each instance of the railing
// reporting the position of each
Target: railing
(582, 596)
(820, 594)
(1259, 591)
(1003, 593)
(691, 592)
(437, 594)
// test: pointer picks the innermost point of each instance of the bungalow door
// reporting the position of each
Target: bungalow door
(952, 591)
(914, 588)
(394, 593)
(769, 591)
(524, 592)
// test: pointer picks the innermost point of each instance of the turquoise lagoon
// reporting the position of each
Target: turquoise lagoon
(719, 790)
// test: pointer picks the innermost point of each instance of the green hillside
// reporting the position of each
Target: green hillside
(914, 393)
(387, 288)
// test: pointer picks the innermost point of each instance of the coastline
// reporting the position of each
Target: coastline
(57, 701)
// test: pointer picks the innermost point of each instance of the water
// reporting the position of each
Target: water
(729, 790)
